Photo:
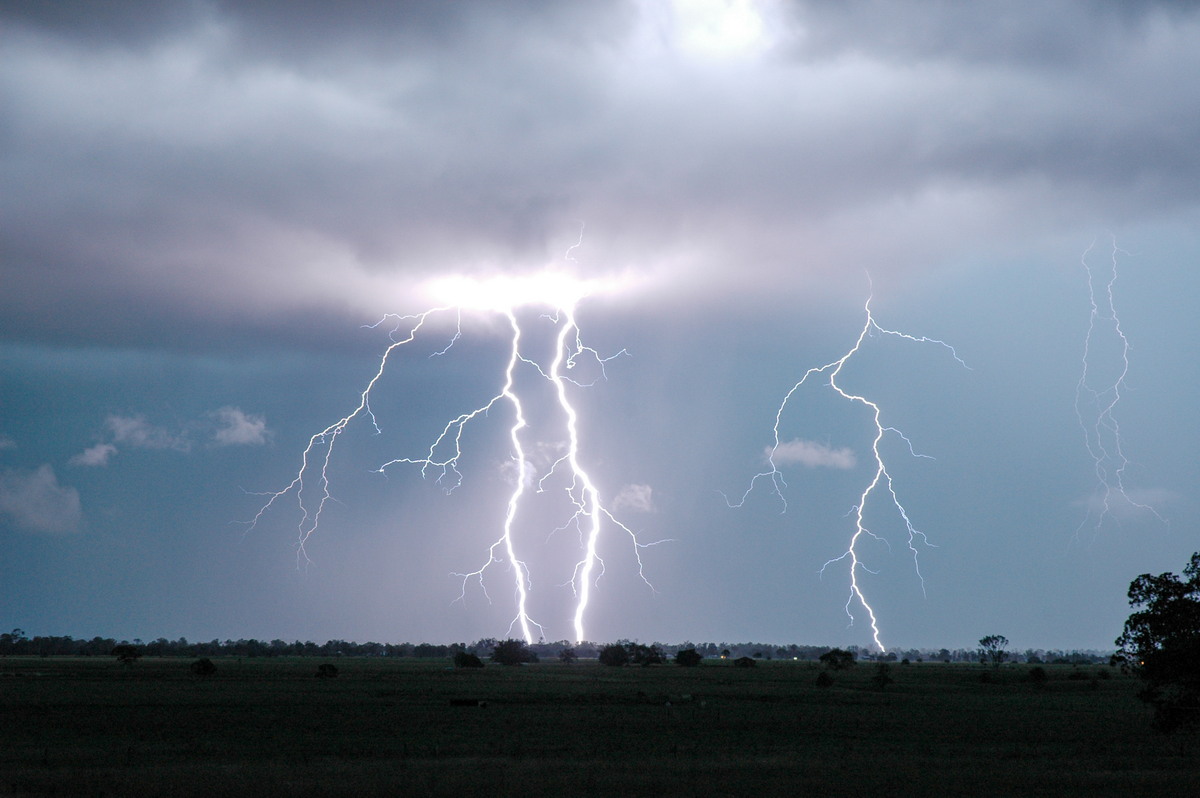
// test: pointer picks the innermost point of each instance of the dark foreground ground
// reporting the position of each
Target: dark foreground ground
(269, 727)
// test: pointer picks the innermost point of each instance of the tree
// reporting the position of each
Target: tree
(126, 654)
(615, 655)
(464, 659)
(203, 667)
(512, 652)
(837, 659)
(1161, 644)
(991, 649)
(327, 670)
(567, 656)
(688, 657)
(883, 676)
(640, 654)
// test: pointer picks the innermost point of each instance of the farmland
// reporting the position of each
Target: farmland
(384, 726)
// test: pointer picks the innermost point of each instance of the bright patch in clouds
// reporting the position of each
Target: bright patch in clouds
(812, 454)
(719, 27)
(35, 502)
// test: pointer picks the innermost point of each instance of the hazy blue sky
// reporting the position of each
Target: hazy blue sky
(206, 202)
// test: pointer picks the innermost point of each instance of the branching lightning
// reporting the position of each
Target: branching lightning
(1097, 397)
(561, 294)
(881, 477)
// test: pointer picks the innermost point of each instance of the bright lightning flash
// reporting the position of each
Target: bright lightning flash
(1097, 397)
(560, 294)
(882, 477)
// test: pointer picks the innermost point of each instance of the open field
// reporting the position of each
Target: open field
(267, 727)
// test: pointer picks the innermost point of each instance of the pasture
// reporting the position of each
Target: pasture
(269, 727)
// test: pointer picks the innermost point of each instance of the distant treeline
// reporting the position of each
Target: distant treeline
(17, 643)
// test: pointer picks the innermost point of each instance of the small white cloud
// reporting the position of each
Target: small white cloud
(7, 443)
(35, 502)
(137, 431)
(510, 470)
(97, 455)
(1128, 505)
(635, 497)
(812, 454)
(239, 429)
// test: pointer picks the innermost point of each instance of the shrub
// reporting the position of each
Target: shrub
(688, 657)
(463, 659)
(203, 667)
(327, 671)
(512, 652)
(824, 679)
(837, 659)
(614, 655)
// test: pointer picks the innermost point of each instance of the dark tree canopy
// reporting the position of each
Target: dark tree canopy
(465, 659)
(837, 659)
(614, 654)
(126, 654)
(688, 657)
(1161, 643)
(991, 649)
(203, 667)
(512, 652)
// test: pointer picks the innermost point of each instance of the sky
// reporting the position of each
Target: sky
(209, 208)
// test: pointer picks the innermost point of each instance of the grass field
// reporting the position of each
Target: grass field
(268, 727)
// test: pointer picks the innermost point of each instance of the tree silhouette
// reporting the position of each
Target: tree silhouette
(991, 648)
(512, 652)
(837, 659)
(1161, 644)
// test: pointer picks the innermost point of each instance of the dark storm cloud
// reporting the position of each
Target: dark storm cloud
(1042, 35)
(229, 166)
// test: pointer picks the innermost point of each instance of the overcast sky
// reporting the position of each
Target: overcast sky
(207, 205)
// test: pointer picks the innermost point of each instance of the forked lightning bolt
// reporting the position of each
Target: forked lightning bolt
(561, 295)
(1097, 396)
(882, 477)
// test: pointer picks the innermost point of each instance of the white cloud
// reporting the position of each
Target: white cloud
(97, 455)
(635, 497)
(7, 443)
(510, 470)
(238, 429)
(812, 454)
(34, 501)
(137, 431)
(1129, 505)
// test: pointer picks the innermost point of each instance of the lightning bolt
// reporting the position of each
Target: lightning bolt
(1097, 397)
(442, 458)
(881, 477)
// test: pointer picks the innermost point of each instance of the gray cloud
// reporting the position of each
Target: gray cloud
(238, 167)
(34, 501)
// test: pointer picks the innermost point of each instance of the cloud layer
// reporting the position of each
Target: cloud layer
(224, 162)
